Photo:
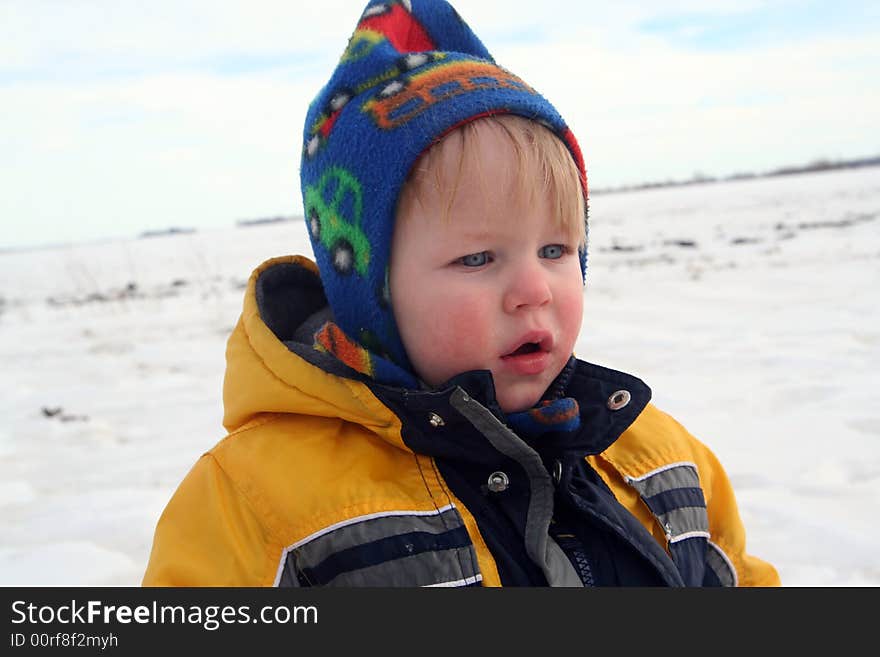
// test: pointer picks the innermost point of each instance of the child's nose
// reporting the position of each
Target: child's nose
(527, 287)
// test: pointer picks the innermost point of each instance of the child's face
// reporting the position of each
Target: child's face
(496, 286)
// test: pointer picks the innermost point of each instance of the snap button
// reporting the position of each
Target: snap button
(557, 471)
(619, 399)
(498, 482)
(435, 420)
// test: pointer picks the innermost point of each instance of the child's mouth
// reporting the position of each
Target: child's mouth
(532, 342)
(527, 348)
(531, 356)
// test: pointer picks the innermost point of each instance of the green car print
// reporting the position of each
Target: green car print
(333, 210)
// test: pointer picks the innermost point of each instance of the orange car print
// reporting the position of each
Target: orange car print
(405, 98)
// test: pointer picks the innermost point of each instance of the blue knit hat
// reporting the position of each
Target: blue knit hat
(412, 72)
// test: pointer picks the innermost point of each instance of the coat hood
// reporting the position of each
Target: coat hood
(272, 366)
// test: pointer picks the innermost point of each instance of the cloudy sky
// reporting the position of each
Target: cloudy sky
(120, 116)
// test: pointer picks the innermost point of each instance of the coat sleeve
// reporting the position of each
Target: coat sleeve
(209, 535)
(726, 528)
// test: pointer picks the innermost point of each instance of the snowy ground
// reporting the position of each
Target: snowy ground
(747, 306)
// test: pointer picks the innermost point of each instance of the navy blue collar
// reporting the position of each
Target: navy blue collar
(433, 427)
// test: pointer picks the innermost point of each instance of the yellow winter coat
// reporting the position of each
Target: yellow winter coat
(316, 465)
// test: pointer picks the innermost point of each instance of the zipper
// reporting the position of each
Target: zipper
(574, 550)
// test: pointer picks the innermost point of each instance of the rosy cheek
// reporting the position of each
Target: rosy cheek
(451, 328)
(571, 309)
(455, 339)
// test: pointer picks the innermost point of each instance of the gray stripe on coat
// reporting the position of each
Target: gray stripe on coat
(681, 521)
(685, 521)
(425, 569)
(450, 567)
(720, 565)
(313, 552)
(682, 475)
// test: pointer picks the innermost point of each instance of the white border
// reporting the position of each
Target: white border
(668, 466)
(459, 582)
(687, 535)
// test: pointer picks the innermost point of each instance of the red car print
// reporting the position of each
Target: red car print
(388, 18)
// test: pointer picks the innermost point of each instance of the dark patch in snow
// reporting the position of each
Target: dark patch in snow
(685, 244)
(620, 248)
(846, 222)
(58, 413)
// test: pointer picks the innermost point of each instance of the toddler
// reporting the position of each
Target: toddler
(408, 411)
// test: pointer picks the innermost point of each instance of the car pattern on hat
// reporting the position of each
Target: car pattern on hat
(323, 125)
(396, 22)
(333, 210)
(405, 98)
(388, 21)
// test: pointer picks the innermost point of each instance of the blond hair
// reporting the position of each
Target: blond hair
(535, 148)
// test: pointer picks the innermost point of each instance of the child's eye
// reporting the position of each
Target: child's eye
(552, 251)
(474, 259)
